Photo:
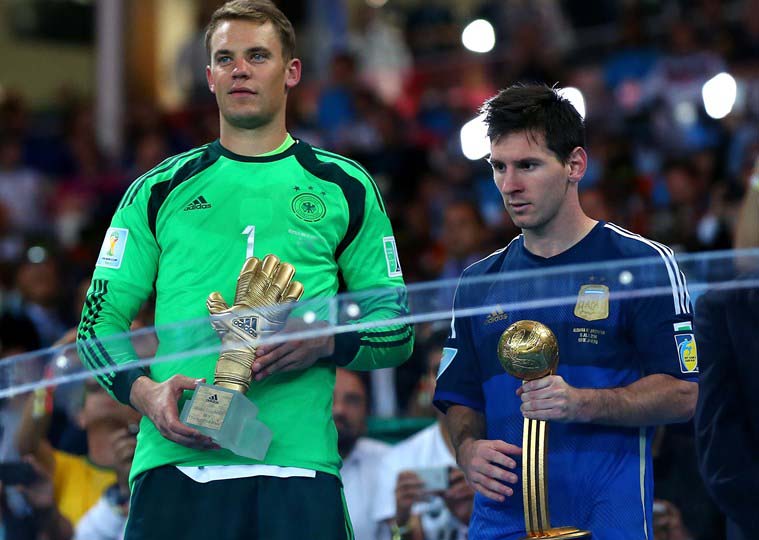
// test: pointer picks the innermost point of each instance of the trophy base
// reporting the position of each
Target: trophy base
(563, 533)
(229, 418)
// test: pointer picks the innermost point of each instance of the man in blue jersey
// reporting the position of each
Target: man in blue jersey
(627, 360)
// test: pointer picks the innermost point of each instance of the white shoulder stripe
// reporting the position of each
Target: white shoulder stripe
(680, 294)
(496, 252)
(682, 282)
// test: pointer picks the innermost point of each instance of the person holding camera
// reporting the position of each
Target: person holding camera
(28, 510)
(421, 494)
(107, 519)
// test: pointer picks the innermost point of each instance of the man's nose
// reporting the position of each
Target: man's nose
(509, 182)
(337, 407)
(241, 68)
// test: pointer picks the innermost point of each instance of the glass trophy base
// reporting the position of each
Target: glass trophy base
(560, 533)
(229, 418)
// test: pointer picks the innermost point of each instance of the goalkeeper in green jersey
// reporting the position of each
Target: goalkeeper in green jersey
(184, 230)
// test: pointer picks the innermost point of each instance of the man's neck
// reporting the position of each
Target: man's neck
(549, 243)
(252, 142)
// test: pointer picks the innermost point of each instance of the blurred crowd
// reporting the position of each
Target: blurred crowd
(392, 94)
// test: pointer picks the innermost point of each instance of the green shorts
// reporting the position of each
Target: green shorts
(166, 505)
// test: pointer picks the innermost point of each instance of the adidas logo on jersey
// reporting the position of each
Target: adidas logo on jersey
(199, 203)
(495, 316)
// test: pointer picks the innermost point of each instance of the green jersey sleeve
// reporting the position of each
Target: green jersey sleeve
(369, 263)
(123, 279)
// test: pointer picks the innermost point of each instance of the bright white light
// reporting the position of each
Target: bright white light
(575, 97)
(309, 317)
(625, 277)
(376, 3)
(61, 362)
(474, 138)
(353, 310)
(719, 95)
(478, 36)
(685, 113)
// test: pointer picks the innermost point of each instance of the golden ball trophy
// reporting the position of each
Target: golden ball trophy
(529, 350)
(263, 300)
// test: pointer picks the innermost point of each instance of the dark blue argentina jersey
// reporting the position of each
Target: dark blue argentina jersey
(615, 325)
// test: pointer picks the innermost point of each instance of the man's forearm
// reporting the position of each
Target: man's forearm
(652, 400)
(463, 424)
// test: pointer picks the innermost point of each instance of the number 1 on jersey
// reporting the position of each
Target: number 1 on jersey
(250, 230)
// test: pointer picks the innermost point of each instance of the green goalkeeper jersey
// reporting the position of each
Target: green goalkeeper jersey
(184, 230)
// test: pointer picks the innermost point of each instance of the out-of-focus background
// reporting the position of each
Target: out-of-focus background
(93, 93)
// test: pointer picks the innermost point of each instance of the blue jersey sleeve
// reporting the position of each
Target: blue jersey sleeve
(661, 324)
(459, 381)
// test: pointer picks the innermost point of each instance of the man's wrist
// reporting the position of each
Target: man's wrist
(463, 448)
(586, 405)
(135, 393)
(124, 381)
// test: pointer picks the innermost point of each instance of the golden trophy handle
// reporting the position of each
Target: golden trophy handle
(529, 350)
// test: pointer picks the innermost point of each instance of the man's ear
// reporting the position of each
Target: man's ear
(209, 79)
(293, 72)
(577, 162)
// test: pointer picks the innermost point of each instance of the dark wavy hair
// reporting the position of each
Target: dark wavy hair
(537, 110)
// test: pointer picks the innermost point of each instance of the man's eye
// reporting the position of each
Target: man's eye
(223, 59)
(497, 166)
(258, 57)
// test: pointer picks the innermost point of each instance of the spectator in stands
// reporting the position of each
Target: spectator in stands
(17, 336)
(35, 515)
(27, 512)
(361, 455)
(79, 480)
(107, 519)
(23, 190)
(404, 505)
(463, 237)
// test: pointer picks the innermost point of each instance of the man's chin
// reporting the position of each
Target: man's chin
(247, 121)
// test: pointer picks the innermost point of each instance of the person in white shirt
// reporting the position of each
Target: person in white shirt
(361, 455)
(407, 508)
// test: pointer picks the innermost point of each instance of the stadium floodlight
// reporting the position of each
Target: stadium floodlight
(575, 97)
(719, 94)
(474, 138)
(478, 36)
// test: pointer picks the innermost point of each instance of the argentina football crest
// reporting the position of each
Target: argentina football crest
(592, 302)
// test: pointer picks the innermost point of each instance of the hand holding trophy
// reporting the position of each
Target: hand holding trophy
(263, 298)
(529, 350)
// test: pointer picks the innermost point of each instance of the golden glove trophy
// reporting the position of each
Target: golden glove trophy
(265, 292)
(529, 350)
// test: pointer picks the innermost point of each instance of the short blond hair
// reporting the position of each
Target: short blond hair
(258, 11)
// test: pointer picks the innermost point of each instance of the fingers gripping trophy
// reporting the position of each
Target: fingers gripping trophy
(263, 300)
(529, 350)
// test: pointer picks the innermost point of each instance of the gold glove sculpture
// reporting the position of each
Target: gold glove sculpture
(263, 299)
(264, 291)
